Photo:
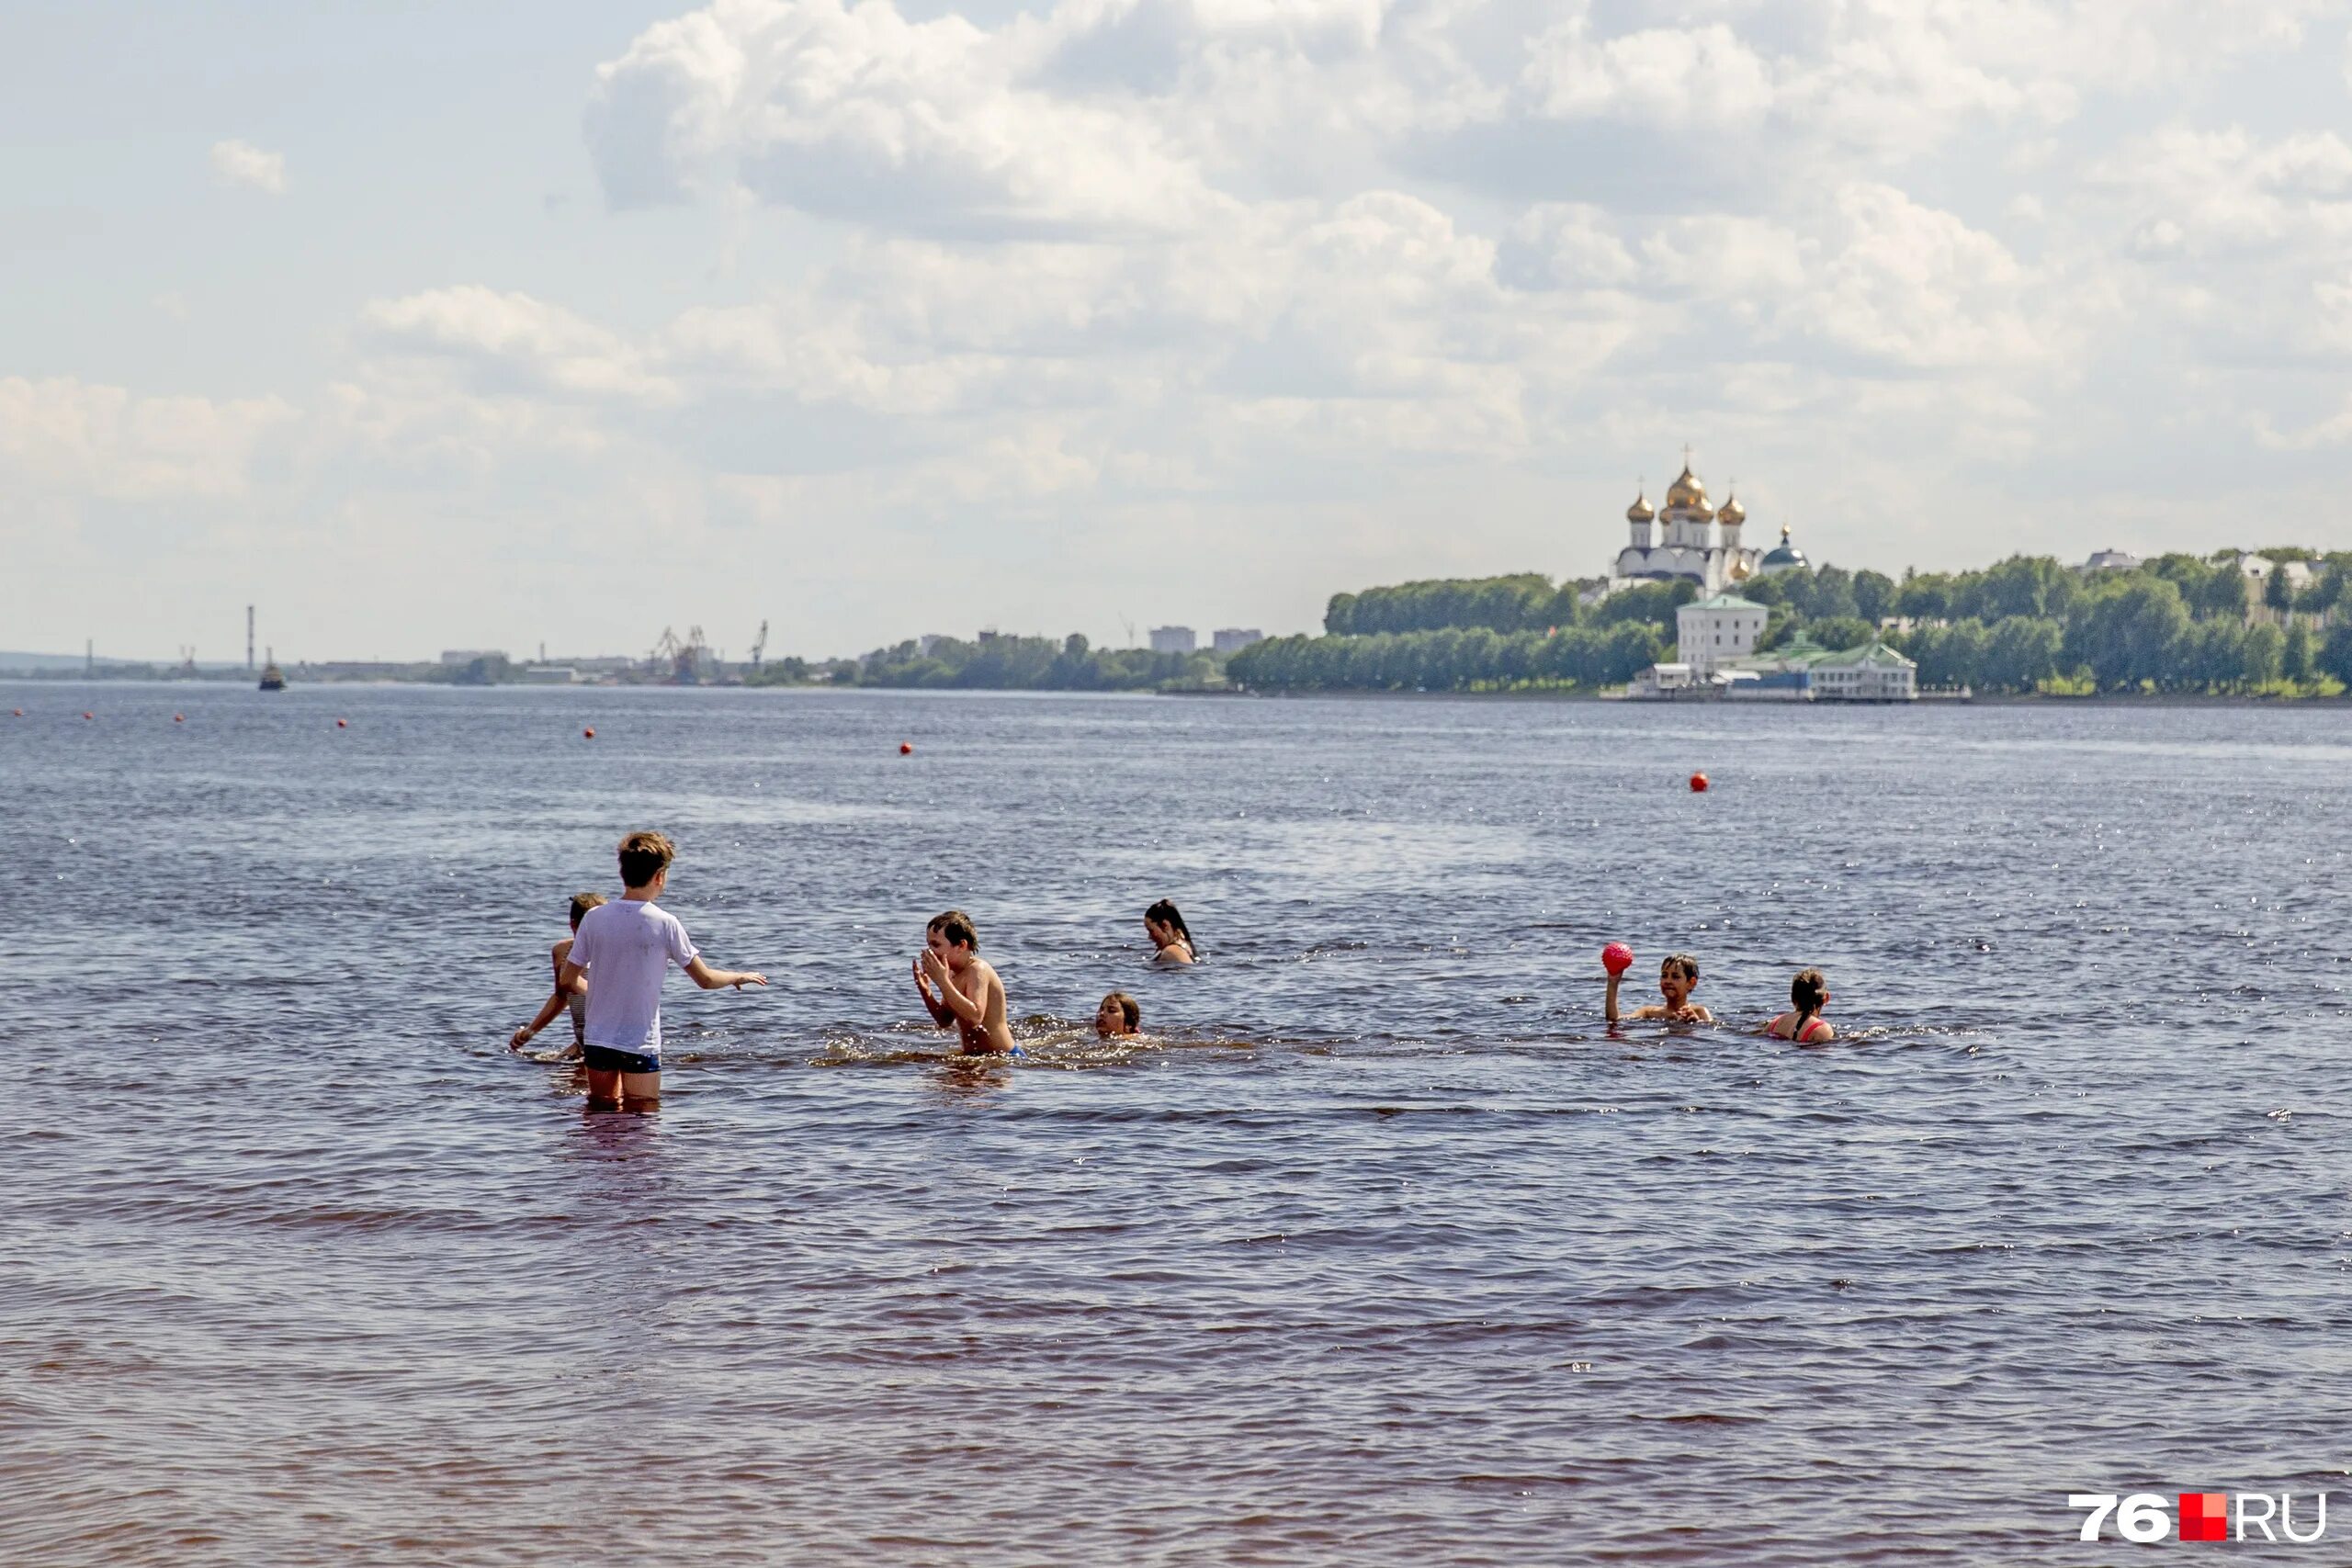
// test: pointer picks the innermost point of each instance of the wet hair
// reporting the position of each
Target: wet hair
(1129, 1008)
(1804, 995)
(956, 927)
(645, 856)
(1682, 961)
(1166, 913)
(580, 903)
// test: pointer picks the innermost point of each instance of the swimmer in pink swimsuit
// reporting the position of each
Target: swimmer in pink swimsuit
(1808, 994)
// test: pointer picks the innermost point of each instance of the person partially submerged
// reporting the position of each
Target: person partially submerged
(1808, 994)
(969, 998)
(573, 997)
(1676, 978)
(1119, 1015)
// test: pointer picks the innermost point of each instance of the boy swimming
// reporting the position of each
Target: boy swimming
(970, 998)
(576, 999)
(1676, 978)
(632, 944)
(1808, 994)
(1120, 1014)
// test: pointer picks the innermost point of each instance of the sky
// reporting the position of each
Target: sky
(499, 324)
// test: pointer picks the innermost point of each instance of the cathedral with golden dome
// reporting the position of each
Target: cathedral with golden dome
(1687, 537)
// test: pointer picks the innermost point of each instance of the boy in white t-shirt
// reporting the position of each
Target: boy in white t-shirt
(632, 944)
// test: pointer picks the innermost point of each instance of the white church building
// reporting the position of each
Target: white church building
(1687, 537)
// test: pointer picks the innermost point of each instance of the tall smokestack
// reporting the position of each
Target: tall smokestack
(249, 639)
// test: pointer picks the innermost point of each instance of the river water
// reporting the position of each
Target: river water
(1383, 1249)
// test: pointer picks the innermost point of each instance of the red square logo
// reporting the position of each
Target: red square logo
(2204, 1515)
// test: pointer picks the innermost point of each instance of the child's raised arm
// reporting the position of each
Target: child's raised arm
(940, 1016)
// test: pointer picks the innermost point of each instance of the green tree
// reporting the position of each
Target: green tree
(1924, 596)
(2295, 653)
(2263, 654)
(2335, 652)
(2020, 652)
(2132, 631)
(1840, 631)
(1873, 595)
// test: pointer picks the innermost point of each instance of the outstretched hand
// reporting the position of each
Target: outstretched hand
(750, 978)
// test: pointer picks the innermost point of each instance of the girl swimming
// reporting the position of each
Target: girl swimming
(1808, 994)
(1168, 933)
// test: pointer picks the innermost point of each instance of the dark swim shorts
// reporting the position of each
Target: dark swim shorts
(604, 1059)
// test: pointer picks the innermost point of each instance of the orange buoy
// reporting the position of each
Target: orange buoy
(343, 724)
(906, 748)
(1698, 784)
(179, 718)
(20, 713)
(88, 714)
(588, 734)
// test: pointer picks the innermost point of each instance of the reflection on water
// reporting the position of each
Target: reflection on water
(1379, 1247)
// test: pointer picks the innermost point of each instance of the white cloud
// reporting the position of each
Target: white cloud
(65, 435)
(859, 113)
(242, 163)
(511, 342)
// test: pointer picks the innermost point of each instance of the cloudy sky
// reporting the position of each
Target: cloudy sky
(501, 323)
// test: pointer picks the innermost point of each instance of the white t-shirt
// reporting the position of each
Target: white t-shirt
(631, 943)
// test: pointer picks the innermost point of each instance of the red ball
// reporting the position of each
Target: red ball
(1698, 784)
(20, 713)
(588, 734)
(343, 724)
(906, 748)
(179, 718)
(1616, 958)
(88, 714)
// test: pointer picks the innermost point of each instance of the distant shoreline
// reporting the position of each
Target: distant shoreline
(2010, 699)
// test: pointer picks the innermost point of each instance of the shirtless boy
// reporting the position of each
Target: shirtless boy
(970, 999)
(1676, 978)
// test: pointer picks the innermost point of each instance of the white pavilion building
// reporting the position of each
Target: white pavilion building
(1687, 537)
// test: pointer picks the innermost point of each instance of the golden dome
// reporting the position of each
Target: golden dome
(1688, 492)
(1640, 511)
(1733, 513)
(1740, 572)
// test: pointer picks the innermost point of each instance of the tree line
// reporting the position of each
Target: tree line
(1001, 663)
(2178, 623)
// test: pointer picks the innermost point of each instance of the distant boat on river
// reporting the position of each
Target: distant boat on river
(272, 679)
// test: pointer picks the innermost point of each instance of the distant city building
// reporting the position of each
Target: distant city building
(456, 656)
(1172, 639)
(358, 670)
(2258, 569)
(1870, 673)
(928, 644)
(1665, 681)
(548, 675)
(1688, 538)
(2112, 560)
(1233, 639)
(1783, 556)
(1718, 630)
